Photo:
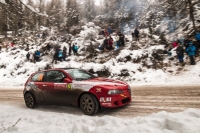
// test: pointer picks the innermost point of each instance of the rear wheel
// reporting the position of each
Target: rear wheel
(89, 104)
(30, 100)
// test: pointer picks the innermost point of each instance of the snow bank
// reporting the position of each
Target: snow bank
(23, 120)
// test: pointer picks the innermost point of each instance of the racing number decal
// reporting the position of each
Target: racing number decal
(69, 86)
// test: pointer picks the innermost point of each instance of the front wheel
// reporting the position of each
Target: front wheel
(30, 100)
(89, 104)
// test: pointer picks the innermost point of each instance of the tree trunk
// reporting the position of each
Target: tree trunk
(191, 10)
(5, 26)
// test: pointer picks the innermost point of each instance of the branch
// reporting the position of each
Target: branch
(12, 125)
(32, 10)
(197, 2)
(16, 122)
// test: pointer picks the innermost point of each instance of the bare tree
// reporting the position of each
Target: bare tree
(55, 11)
(90, 11)
(182, 4)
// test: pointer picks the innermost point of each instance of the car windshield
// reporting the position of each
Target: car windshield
(79, 74)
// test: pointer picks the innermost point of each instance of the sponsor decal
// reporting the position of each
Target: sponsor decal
(105, 99)
(77, 86)
(106, 104)
(59, 86)
(102, 99)
(69, 86)
(108, 99)
(98, 89)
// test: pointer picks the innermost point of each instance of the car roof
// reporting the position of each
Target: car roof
(61, 68)
(56, 69)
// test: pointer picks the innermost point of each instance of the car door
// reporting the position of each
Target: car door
(36, 86)
(56, 91)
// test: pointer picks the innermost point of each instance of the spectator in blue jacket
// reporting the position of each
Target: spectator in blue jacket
(191, 50)
(36, 56)
(75, 48)
(60, 55)
(110, 31)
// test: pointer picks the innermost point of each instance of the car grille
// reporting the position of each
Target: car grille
(126, 100)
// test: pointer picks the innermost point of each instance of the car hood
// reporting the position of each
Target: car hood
(106, 81)
(88, 84)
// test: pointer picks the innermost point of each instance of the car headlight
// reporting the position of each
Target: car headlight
(111, 92)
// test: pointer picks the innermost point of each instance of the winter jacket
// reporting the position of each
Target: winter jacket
(110, 42)
(64, 51)
(174, 44)
(105, 43)
(37, 54)
(106, 33)
(60, 54)
(197, 44)
(197, 36)
(190, 50)
(55, 56)
(136, 33)
(109, 30)
(70, 49)
(180, 51)
(121, 36)
(75, 48)
(28, 55)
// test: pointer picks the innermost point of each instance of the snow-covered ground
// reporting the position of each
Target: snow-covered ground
(19, 119)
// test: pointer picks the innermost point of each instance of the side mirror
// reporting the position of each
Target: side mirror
(67, 80)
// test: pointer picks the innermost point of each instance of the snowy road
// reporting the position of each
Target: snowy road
(145, 101)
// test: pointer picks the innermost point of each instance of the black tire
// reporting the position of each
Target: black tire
(89, 104)
(30, 100)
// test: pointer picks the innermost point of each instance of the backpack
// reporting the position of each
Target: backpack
(197, 36)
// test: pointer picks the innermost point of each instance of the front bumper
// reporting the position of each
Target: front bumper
(116, 100)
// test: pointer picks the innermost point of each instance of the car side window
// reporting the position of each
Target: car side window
(38, 77)
(54, 76)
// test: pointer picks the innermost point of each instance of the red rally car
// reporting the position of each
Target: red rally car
(72, 86)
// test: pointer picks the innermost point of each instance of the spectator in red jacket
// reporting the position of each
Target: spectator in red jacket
(174, 44)
(110, 43)
(106, 33)
(12, 44)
